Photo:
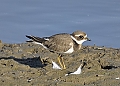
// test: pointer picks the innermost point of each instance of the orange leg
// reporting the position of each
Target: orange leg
(61, 62)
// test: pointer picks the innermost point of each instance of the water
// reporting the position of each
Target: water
(100, 19)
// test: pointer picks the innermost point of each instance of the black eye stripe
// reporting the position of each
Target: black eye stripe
(81, 37)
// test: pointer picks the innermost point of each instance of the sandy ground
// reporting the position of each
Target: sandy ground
(28, 64)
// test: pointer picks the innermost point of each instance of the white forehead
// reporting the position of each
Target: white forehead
(85, 35)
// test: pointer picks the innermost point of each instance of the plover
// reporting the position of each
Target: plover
(61, 43)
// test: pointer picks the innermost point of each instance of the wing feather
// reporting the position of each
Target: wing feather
(59, 42)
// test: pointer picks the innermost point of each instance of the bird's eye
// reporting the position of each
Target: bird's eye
(81, 37)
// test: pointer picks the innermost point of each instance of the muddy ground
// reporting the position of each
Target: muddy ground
(28, 64)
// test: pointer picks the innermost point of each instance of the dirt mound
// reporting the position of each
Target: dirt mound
(28, 64)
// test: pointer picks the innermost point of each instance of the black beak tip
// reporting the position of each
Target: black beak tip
(89, 39)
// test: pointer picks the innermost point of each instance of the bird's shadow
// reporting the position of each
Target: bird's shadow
(32, 62)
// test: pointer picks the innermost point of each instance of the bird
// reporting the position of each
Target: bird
(62, 43)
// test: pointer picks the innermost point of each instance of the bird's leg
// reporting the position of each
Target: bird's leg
(61, 62)
(64, 67)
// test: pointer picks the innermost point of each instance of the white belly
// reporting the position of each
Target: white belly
(70, 50)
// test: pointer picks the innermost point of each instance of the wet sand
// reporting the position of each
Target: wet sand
(27, 64)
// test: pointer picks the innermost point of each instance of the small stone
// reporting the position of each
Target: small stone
(1, 44)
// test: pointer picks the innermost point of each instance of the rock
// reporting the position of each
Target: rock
(1, 44)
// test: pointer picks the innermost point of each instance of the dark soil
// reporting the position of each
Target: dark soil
(28, 64)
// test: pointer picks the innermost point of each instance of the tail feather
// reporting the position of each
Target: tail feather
(35, 39)
(29, 41)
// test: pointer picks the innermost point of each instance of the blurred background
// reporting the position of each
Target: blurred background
(100, 19)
